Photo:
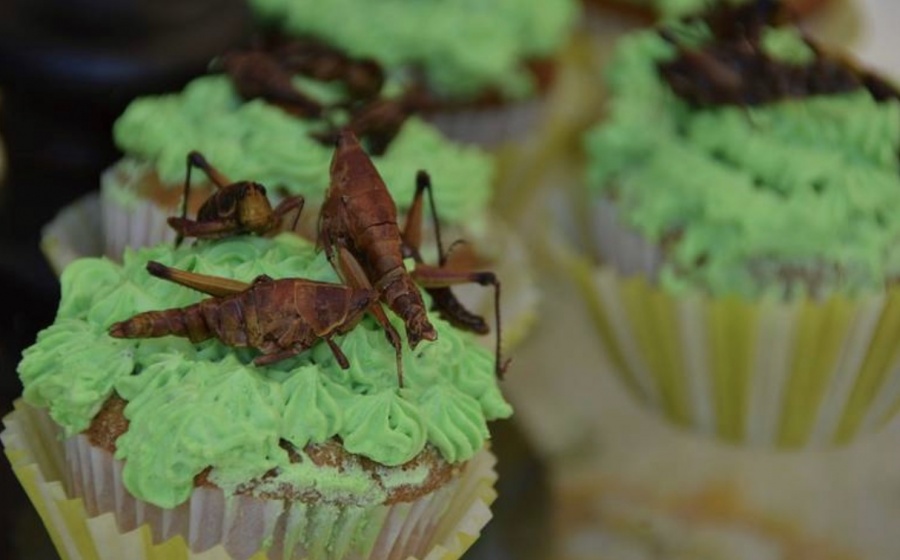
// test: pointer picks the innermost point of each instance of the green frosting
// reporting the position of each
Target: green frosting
(385, 419)
(463, 47)
(453, 427)
(809, 187)
(256, 141)
(191, 406)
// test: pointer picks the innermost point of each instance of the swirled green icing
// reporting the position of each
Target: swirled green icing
(454, 429)
(60, 371)
(805, 185)
(197, 405)
(217, 414)
(463, 47)
(312, 410)
(384, 419)
(256, 141)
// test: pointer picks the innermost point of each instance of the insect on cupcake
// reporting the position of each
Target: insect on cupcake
(743, 183)
(274, 422)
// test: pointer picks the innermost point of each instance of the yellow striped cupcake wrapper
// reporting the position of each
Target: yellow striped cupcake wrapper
(32, 444)
(808, 374)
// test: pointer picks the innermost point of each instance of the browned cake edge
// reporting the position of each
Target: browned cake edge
(110, 423)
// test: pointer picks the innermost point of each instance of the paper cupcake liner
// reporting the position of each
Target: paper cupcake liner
(75, 233)
(130, 223)
(491, 127)
(436, 527)
(807, 373)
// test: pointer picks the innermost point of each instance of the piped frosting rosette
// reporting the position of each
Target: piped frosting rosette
(748, 285)
(193, 406)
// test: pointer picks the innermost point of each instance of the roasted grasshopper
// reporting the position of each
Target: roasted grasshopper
(734, 68)
(359, 215)
(234, 208)
(280, 318)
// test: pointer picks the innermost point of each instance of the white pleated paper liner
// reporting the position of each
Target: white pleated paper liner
(127, 221)
(442, 525)
(76, 232)
(803, 374)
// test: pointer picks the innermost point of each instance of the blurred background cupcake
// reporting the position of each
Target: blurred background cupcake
(304, 458)
(259, 139)
(481, 68)
(740, 190)
(263, 139)
(628, 484)
(606, 21)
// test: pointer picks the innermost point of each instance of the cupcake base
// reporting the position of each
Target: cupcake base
(32, 444)
(806, 373)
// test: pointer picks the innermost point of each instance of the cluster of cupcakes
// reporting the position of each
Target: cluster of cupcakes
(198, 445)
(739, 194)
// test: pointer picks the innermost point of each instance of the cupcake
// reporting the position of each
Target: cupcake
(191, 445)
(742, 184)
(483, 67)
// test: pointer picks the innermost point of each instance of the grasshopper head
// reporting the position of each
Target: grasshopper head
(255, 211)
(419, 328)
